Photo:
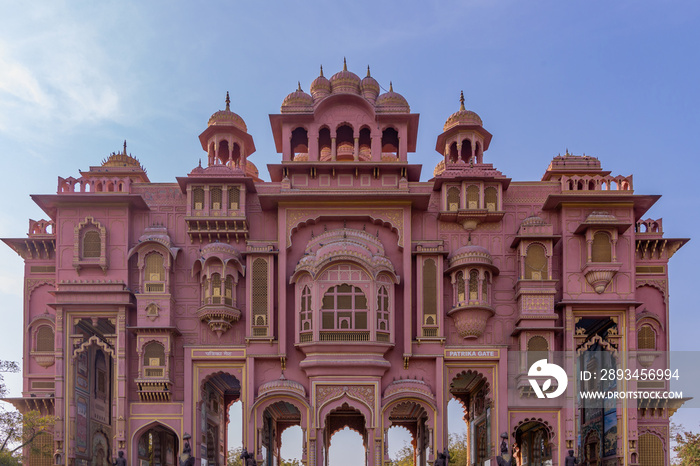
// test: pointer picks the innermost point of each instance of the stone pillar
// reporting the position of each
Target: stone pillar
(356, 150)
(376, 147)
(313, 145)
(334, 152)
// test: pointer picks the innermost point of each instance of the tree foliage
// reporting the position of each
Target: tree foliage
(234, 457)
(687, 446)
(457, 445)
(16, 430)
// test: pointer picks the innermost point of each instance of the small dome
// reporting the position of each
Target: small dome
(345, 81)
(282, 385)
(533, 220)
(227, 118)
(320, 87)
(439, 168)
(369, 87)
(392, 102)
(251, 170)
(298, 102)
(462, 117)
(471, 254)
(121, 159)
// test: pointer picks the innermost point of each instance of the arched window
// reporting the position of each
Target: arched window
(324, 144)
(383, 309)
(228, 291)
(473, 285)
(646, 338)
(215, 197)
(154, 359)
(45, 339)
(215, 288)
(344, 307)
(491, 199)
(365, 144)
(537, 348)
(429, 292)
(234, 197)
(485, 288)
(224, 152)
(536, 263)
(300, 142)
(344, 143)
(198, 198)
(154, 273)
(92, 244)
(453, 153)
(259, 296)
(305, 310)
(453, 199)
(601, 249)
(473, 197)
(466, 154)
(390, 143)
(459, 278)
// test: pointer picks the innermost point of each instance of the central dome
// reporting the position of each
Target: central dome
(462, 117)
(345, 81)
(227, 118)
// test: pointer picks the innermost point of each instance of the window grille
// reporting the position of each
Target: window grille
(306, 309)
(491, 198)
(198, 198)
(215, 196)
(646, 338)
(41, 451)
(154, 268)
(485, 288)
(216, 288)
(536, 263)
(460, 287)
(234, 198)
(228, 288)
(453, 199)
(473, 197)
(651, 450)
(259, 289)
(383, 309)
(601, 249)
(153, 354)
(473, 285)
(429, 290)
(45, 339)
(92, 244)
(537, 348)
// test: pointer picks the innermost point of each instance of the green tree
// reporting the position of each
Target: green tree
(292, 462)
(458, 449)
(16, 430)
(687, 446)
(234, 457)
(404, 457)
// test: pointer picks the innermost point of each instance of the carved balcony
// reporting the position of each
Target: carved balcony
(470, 318)
(219, 316)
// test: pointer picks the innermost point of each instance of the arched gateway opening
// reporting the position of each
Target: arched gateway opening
(277, 418)
(472, 390)
(340, 418)
(218, 392)
(413, 417)
(158, 445)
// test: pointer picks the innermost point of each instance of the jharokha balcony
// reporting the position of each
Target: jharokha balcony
(220, 314)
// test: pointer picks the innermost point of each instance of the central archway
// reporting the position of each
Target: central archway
(340, 418)
(218, 392)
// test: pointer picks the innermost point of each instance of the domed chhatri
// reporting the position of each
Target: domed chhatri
(369, 87)
(298, 102)
(227, 117)
(121, 159)
(320, 87)
(462, 117)
(392, 102)
(345, 81)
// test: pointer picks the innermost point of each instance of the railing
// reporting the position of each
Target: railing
(430, 332)
(596, 183)
(344, 336)
(152, 287)
(383, 337)
(94, 185)
(305, 337)
(154, 372)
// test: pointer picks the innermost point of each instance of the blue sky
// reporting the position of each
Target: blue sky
(617, 80)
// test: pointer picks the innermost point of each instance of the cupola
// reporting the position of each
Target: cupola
(320, 87)
(298, 102)
(369, 87)
(392, 102)
(345, 82)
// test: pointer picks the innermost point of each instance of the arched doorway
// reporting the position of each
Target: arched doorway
(413, 417)
(591, 449)
(276, 419)
(472, 390)
(218, 392)
(158, 445)
(342, 417)
(533, 441)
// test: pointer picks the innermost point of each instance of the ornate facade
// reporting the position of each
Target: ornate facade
(343, 292)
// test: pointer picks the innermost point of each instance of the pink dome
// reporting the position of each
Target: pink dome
(471, 254)
(369, 87)
(320, 87)
(345, 81)
(462, 117)
(298, 102)
(392, 102)
(227, 118)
